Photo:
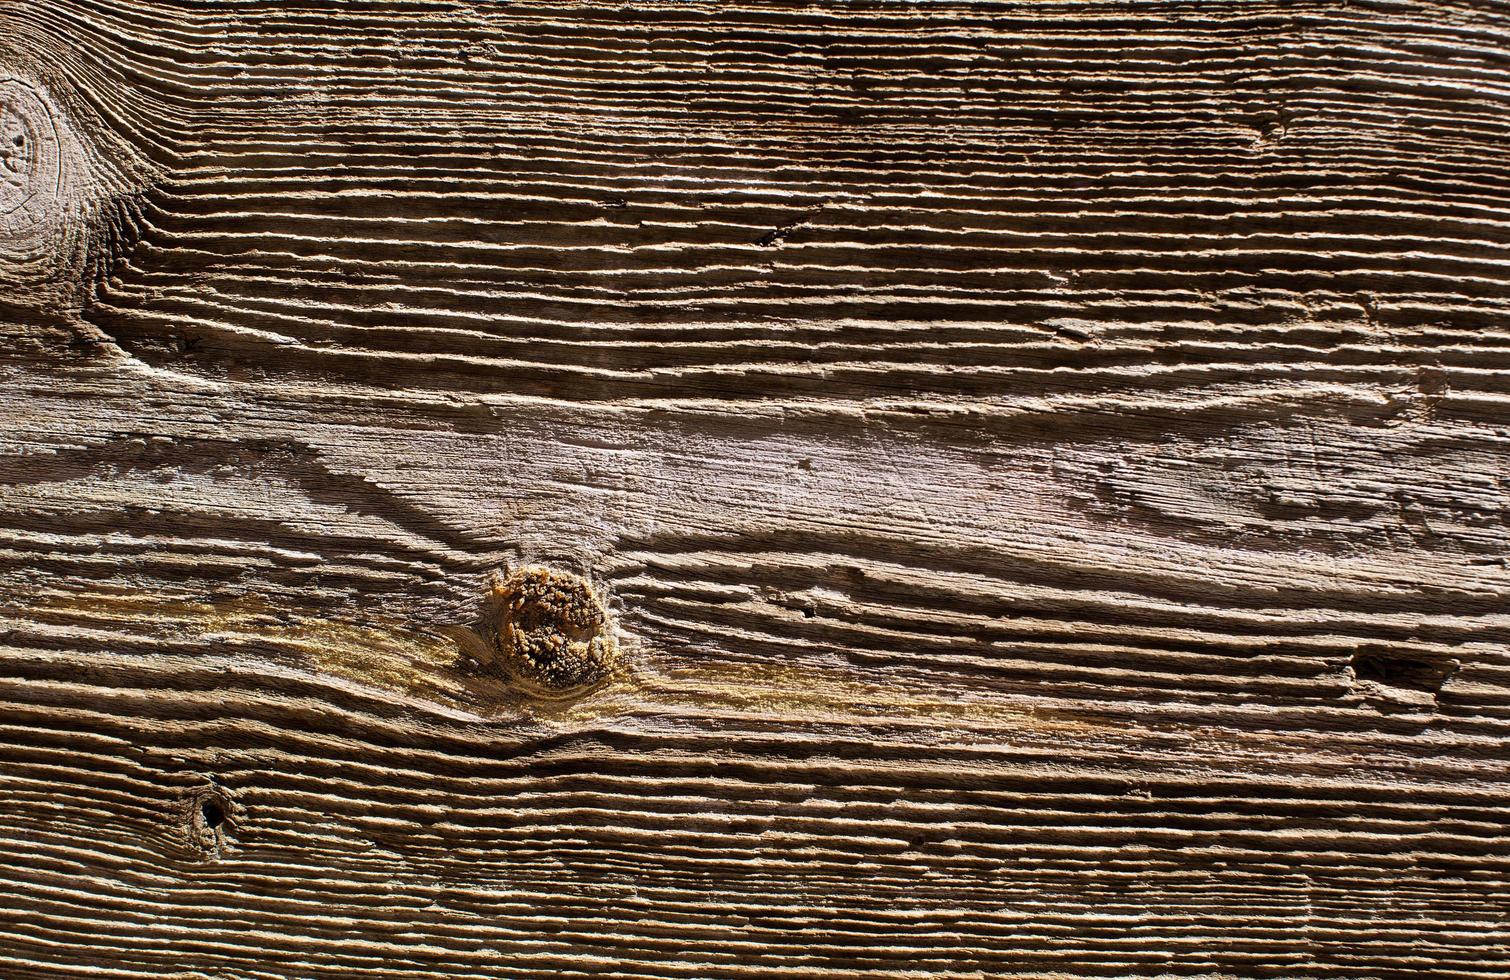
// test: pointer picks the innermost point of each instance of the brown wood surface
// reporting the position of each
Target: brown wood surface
(730, 490)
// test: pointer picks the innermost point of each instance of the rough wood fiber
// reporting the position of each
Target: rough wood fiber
(1044, 464)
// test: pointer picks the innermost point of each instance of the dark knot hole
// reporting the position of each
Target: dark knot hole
(213, 812)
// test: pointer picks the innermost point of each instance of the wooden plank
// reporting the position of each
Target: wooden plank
(754, 489)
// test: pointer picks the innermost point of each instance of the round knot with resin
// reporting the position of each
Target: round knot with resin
(552, 630)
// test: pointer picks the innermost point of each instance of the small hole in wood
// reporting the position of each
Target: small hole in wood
(213, 813)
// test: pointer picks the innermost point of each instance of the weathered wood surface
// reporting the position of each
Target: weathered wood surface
(1045, 464)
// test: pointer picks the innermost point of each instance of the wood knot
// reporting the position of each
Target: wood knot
(551, 631)
(30, 159)
(207, 819)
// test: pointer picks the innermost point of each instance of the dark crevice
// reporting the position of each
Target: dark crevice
(212, 813)
(1411, 673)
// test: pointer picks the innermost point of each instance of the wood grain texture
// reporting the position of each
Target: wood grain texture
(1043, 466)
